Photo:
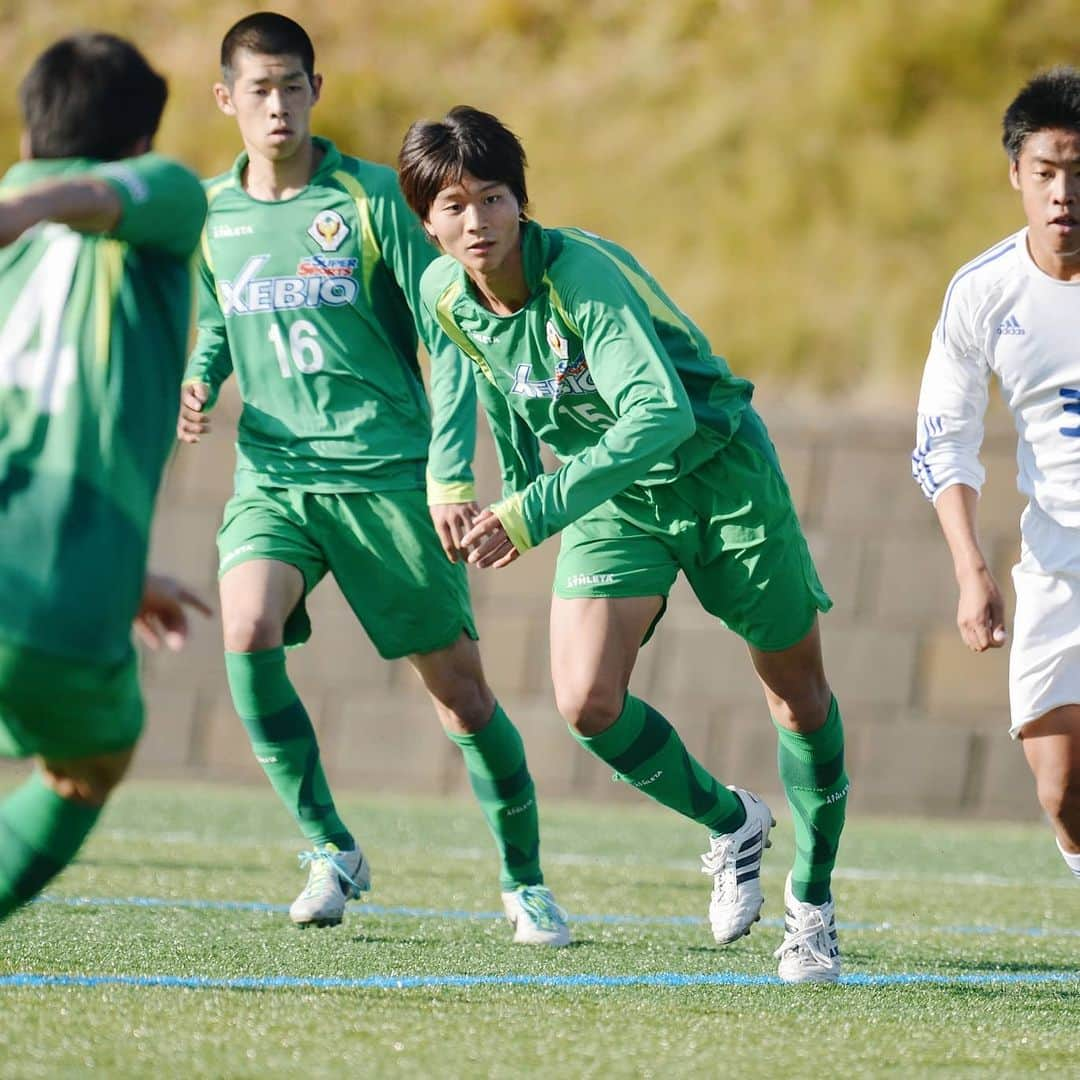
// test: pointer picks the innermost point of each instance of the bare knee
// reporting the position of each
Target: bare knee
(251, 631)
(1059, 795)
(802, 707)
(464, 703)
(87, 780)
(589, 708)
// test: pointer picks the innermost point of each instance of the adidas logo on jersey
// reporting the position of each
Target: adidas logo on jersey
(1010, 326)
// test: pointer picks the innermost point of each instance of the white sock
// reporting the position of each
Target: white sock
(1072, 861)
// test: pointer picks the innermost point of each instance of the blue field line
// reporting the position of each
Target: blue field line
(488, 916)
(572, 982)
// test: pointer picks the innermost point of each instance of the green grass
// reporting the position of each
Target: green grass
(960, 901)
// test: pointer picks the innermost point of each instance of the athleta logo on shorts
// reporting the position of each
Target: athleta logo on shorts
(247, 294)
(576, 581)
(236, 552)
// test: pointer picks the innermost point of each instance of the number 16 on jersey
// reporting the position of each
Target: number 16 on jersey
(301, 350)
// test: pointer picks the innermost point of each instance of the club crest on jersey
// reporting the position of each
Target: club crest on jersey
(560, 346)
(329, 230)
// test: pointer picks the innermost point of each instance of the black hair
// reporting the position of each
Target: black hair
(436, 153)
(90, 95)
(1049, 101)
(267, 34)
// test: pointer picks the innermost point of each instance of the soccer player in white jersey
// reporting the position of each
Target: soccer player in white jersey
(1014, 312)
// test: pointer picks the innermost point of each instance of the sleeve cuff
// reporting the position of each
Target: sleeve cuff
(440, 493)
(513, 521)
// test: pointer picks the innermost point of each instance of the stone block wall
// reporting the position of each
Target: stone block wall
(926, 720)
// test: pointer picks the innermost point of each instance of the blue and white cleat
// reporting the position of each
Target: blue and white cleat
(734, 861)
(535, 917)
(334, 877)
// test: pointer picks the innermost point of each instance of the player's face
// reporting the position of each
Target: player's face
(1047, 175)
(271, 98)
(478, 223)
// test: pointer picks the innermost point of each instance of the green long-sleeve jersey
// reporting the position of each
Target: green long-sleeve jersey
(93, 334)
(313, 302)
(600, 365)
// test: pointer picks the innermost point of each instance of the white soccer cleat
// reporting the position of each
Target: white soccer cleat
(535, 917)
(334, 877)
(734, 860)
(810, 952)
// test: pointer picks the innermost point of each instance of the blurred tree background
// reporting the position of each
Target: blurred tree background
(803, 175)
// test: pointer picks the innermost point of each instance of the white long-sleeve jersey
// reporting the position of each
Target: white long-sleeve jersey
(1002, 315)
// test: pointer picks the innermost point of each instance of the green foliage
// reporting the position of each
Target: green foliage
(803, 175)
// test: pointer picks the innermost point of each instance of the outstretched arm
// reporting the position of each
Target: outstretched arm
(86, 203)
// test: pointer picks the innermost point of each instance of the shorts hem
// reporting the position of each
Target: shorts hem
(442, 642)
(609, 593)
(794, 640)
(1017, 726)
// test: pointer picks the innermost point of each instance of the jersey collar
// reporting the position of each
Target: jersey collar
(330, 163)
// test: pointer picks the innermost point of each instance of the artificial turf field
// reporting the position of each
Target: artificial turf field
(166, 951)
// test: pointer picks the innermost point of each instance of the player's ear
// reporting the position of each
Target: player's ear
(1014, 173)
(316, 88)
(223, 97)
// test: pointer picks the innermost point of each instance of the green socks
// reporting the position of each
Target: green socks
(812, 772)
(284, 742)
(646, 752)
(40, 833)
(495, 760)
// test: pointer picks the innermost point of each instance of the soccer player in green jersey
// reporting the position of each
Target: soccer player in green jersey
(664, 466)
(97, 234)
(309, 291)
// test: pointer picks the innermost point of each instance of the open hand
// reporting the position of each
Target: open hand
(487, 543)
(161, 618)
(452, 521)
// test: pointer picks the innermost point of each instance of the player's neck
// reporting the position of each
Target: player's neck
(504, 290)
(1054, 264)
(271, 179)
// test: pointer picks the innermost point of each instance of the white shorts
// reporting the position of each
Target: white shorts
(1044, 661)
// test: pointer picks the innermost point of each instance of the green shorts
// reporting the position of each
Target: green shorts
(64, 709)
(380, 547)
(730, 526)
